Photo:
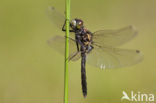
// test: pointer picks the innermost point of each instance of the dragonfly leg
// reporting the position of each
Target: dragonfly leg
(78, 40)
(63, 27)
(77, 44)
(90, 47)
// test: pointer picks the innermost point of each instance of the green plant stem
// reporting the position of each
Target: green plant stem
(66, 51)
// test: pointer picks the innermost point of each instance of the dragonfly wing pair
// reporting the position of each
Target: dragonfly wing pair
(105, 54)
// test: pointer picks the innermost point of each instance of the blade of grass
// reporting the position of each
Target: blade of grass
(67, 5)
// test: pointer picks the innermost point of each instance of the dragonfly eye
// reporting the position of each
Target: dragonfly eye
(79, 24)
(73, 23)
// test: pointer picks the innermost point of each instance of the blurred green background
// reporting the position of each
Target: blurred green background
(32, 72)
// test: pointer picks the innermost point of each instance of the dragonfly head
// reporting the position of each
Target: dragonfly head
(76, 24)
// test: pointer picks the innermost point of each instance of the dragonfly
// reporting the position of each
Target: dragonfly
(99, 49)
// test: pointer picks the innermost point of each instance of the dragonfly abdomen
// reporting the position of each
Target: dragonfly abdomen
(83, 74)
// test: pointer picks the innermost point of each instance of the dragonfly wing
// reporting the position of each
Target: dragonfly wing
(58, 43)
(57, 18)
(107, 58)
(75, 56)
(113, 38)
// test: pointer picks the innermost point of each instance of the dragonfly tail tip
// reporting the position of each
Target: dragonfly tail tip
(84, 94)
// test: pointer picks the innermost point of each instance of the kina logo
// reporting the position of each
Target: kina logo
(138, 97)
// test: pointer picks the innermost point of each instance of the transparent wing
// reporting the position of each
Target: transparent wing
(57, 18)
(113, 38)
(107, 58)
(58, 43)
(75, 56)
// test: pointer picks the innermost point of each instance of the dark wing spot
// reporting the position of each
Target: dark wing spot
(52, 8)
(137, 51)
